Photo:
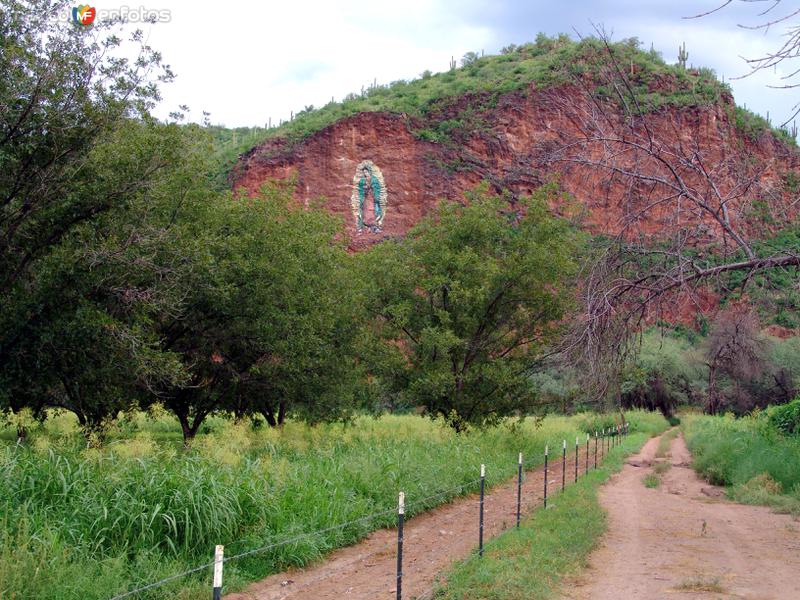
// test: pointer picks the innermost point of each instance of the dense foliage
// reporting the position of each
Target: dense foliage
(129, 280)
(785, 417)
(675, 366)
(773, 292)
(474, 295)
(667, 372)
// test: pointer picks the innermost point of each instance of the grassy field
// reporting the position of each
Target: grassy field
(529, 563)
(85, 523)
(758, 463)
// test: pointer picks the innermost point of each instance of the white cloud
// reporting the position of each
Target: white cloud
(256, 61)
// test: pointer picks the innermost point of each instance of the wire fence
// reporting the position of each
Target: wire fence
(604, 439)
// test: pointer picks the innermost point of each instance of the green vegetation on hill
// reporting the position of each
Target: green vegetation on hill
(547, 62)
(550, 61)
(227, 145)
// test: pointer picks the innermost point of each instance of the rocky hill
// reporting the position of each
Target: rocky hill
(507, 119)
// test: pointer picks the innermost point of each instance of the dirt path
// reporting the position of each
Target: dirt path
(433, 541)
(684, 540)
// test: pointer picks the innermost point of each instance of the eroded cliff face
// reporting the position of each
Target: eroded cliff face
(517, 142)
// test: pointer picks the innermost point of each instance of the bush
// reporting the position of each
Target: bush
(785, 417)
(731, 452)
(667, 372)
(642, 421)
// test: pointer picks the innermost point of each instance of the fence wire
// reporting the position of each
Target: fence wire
(266, 548)
(297, 538)
(527, 465)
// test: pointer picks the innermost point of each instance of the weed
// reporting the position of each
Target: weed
(662, 467)
(665, 442)
(701, 584)
(651, 480)
(750, 456)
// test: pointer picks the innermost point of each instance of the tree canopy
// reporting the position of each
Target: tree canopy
(471, 299)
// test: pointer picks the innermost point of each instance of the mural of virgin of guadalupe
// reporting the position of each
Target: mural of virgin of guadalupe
(368, 199)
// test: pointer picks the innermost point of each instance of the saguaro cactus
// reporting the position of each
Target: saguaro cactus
(683, 55)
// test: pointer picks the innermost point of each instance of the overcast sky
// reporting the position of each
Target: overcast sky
(245, 62)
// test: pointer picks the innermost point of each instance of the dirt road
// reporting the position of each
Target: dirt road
(684, 540)
(433, 541)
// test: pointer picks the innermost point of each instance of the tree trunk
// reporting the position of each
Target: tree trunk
(711, 408)
(281, 413)
(189, 429)
(270, 417)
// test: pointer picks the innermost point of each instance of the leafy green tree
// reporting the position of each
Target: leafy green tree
(667, 371)
(77, 151)
(78, 335)
(270, 316)
(469, 59)
(63, 89)
(125, 279)
(470, 300)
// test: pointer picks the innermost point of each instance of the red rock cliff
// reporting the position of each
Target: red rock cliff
(514, 145)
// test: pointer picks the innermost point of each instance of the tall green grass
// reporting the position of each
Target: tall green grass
(86, 524)
(761, 465)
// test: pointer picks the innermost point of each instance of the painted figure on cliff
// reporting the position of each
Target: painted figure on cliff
(369, 196)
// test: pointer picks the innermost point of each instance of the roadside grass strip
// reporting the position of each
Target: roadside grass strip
(554, 543)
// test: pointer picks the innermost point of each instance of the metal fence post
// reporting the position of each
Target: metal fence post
(545, 476)
(401, 513)
(564, 466)
(480, 527)
(595, 448)
(219, 553)
(519, 487)
(602, 443)
(587, 454)
(577, 452)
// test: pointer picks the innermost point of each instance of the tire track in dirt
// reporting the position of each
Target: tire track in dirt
(432, 542)
(684, 540)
